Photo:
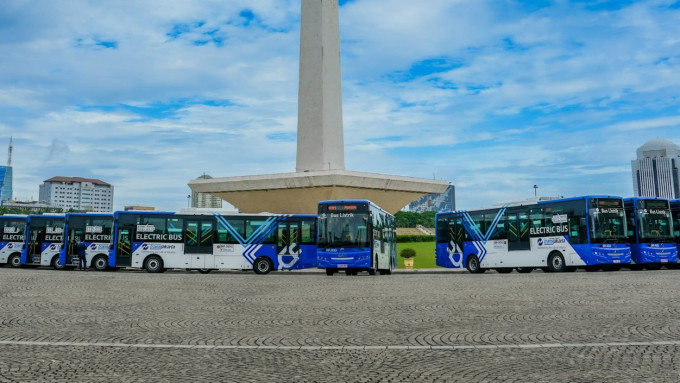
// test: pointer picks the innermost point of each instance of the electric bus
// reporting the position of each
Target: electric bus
(354, 236)
(43, 241)
(675, 211)
(13, 237)
(555, 235)
(92, 228)
(157, 241)
(650, 232)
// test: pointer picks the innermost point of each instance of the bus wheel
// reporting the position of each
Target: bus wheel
(56, 264)
(504, 270)
(473, 265)
(262, 266)
(556, 262)
(100, 263)
(15, 260)
(154, 264)
(524, 270)
(204, 271)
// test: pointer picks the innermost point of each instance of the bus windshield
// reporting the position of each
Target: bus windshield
(343, 230)
(654, 222)
(607, 222)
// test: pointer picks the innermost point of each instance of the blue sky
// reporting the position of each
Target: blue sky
(492, 96)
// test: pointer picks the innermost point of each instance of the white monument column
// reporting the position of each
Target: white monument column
(320, 145)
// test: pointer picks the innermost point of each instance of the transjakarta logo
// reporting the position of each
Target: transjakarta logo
(145, 247)
(93, 246)
(551, 241)
(54, 230)
(94, 229)
(146, 228)
(53, 247)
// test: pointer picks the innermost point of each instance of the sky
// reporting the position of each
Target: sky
(493, 96)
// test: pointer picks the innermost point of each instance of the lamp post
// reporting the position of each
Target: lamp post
(535, 190)
(189, 200)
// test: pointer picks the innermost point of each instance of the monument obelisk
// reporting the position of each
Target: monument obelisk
(320, 143)
(320, 167)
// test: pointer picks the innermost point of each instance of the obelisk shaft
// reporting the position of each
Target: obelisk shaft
(320, 144)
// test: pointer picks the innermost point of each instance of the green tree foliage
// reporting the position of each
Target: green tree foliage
(410, 219)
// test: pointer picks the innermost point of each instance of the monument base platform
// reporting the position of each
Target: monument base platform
(300, 192)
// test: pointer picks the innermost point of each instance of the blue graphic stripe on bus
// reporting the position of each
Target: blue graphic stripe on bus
(479, 239)
(225, 224)
(255, 239)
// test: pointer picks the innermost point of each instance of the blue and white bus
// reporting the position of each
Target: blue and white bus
(354, 236)
(675, 212)
(44, 238)
(556, 235)
(650, 232)
(157, 241)
(13, 237)
(92, 228)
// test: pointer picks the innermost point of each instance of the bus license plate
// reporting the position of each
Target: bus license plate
(341, 266)
(617, 261)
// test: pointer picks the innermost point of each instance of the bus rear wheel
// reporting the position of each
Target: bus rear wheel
(556, 262)
(473, 265)
(262, 266)
(204, 271)
(100, 263)
(504, 270)
(15, 260)
(525, 270)
(56, 264)
(154, 264)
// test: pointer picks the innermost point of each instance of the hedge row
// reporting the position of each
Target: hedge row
(415, 238)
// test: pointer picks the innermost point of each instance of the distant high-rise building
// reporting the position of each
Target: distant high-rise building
(5, 183)
(84, 194)
(655, 171)
(435, 202)
(6, 177)
(205, 200)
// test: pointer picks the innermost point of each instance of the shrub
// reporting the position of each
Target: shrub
(407, 253)
(415, 238)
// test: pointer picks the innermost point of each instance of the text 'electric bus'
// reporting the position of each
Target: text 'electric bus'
(157, 241)
(556, 235)
(356, 236)
(44, 238)
(94, 229)
(650, 232)
(13, 237)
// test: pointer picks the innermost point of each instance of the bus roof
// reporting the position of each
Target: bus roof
(535, 202)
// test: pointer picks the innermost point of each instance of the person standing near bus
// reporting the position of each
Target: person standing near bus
(82, 258)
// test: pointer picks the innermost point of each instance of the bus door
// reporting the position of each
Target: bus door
(288, 243)
(124, 245)
(34, 251)
(518, 231)
(198, 243)
(74, 236)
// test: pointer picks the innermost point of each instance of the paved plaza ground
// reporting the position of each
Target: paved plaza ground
(60, 326)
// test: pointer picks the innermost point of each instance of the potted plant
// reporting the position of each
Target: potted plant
(408, 255)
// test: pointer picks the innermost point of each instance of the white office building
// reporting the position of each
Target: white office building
(83, 194)
(205, 200)
(655, 171)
